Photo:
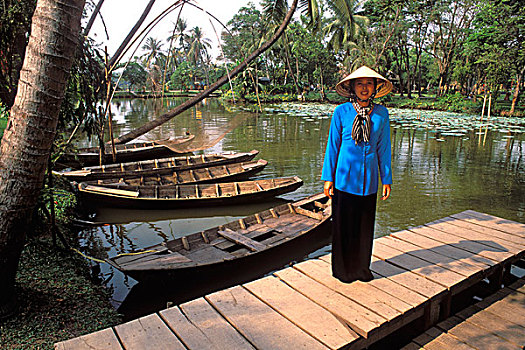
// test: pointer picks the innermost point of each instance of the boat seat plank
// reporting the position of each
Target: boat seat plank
(102, 340)
(361, 320)
(304, 313)
(148, 332)
(311, 214)
(492, 221)
(365, 294)
(219, 334)
(242, 240)
(240, 308)
(251, 232)
(114, 191)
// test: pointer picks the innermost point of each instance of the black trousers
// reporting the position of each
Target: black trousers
(353, 219)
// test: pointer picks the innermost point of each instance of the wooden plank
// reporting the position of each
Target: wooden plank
(491, 239)
(407, 278)
(449, 221)
(424, 268)
(189, 334)
(102, 340)
(249, 243)
(473, 335)
(257, 322)
(476, 247)
(114, 191)
(492, 323)
(399, 291)
(310, 214)
(443, 249)
(462, 269)
(492, 221)
(307, 315)
(208, 254)
(411, 346)
(148, 332)
(362, 293)
(218, 332)
(360, 319)
(436, 339)
(507, 307)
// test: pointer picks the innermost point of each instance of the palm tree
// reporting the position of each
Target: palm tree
(153, 48)
(198, 49)
(345, 27)
(199, 45)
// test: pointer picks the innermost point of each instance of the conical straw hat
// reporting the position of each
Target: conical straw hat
(384, 86)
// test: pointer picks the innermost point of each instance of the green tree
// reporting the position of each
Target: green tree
(345, 27)
(135, 75)
(495, 46)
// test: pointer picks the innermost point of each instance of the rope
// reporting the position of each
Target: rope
(87, 257)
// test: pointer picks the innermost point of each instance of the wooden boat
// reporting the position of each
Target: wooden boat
(129, 152)
(156, 166)
(256, 244)
(187, 196)
(220, 173)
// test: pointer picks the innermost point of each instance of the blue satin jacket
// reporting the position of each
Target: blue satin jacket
(354, 168)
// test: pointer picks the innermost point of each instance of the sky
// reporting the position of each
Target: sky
(121, 15)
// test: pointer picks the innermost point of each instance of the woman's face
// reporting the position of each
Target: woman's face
(364, 87)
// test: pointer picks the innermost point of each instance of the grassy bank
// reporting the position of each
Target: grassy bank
(57, 299)
(451, 103)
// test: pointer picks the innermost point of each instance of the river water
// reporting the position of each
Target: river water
(434, 175)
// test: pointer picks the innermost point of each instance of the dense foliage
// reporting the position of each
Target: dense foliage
(426, 48)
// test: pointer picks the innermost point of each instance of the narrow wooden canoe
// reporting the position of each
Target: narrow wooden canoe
(187, 196)
(130, 152)
(156, 166)
(220, 173)
(256, 244)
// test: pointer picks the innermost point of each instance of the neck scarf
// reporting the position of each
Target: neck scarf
(362, 123)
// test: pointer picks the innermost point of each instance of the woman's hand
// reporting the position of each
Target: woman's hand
(328, 189)
(386, 191)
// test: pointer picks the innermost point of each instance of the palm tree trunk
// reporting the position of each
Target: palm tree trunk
(31, 129)
(193, 101)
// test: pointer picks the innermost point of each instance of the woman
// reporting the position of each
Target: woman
(358, 146)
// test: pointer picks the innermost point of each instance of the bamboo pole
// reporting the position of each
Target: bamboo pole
(488, 117)
(481, 121)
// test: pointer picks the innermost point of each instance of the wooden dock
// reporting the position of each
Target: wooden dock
(496, 322)
(418, 273)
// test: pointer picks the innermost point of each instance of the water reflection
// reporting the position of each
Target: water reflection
(434, 175)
